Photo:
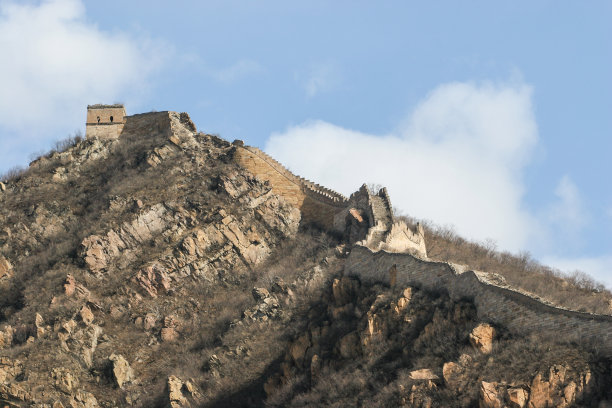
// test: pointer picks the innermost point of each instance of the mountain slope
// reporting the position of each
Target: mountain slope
(154, 270)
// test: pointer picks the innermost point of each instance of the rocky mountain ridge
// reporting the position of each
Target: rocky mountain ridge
(157, 269)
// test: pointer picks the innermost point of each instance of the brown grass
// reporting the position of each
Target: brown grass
(576, 291)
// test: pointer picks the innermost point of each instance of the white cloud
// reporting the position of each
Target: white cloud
(55, 62)
(568, 213)
(457, 159)
(321, 78)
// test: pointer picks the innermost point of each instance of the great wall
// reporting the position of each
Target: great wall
(387, 251)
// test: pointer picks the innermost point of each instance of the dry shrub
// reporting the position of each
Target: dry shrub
(576, 291)
(13, 174)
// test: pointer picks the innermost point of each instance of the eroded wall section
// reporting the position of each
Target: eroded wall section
(517, 311)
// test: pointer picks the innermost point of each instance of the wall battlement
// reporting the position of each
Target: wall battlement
(323, 192)
(317, 203)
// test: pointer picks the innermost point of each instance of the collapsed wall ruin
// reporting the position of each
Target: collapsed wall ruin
(496, 302)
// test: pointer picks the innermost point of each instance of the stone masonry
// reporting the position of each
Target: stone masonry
(104, 121)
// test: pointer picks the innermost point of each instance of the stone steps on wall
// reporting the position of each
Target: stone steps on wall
(313, 188)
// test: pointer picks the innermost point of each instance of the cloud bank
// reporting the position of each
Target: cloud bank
(457, 159)
(55, 62)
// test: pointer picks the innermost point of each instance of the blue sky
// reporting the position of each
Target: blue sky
(493, 117)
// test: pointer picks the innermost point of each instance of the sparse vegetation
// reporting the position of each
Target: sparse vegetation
(576, 291)
(13, 174)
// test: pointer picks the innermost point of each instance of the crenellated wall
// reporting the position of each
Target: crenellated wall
(317, 203)
(496, 302)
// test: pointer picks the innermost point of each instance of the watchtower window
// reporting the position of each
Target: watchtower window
(98, 119)
(111, 118)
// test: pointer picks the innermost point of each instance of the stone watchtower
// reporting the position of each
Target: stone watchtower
(104, 121)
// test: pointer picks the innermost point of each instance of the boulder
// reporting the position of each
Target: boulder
(122, 372)
(175, 394)
(517, 397)
(423, 374)
(65, 381)
(39, 324)
(403, 301)
(454, 375)
(259, 294)
(149, 321)
(482, 338)
(279, 285)
(72, 287)
(490, 396)
(83, 399)
(87, 315)
(540, 396)
(6, 337)
(315, 366)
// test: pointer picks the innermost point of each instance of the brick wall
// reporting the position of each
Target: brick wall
(317, 204)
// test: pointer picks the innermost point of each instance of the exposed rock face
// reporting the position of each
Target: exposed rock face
(6, 269)
(122, 372)
(423, 374)
(267, 306)
(180, 392)
(72, 287)
(490, 396)
(65, 381)
(455, 374)
(482, 338)
(153, 279)
(86, 315)
(175, 394)
(517, 397)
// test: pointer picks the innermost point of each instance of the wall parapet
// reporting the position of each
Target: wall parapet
(321, 192)
(519, 311)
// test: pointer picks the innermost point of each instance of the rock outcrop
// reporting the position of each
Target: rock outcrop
(122, 372)
(482, 338)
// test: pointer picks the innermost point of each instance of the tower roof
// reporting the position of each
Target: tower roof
(102, 106)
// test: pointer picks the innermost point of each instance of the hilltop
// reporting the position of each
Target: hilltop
(154, 265)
